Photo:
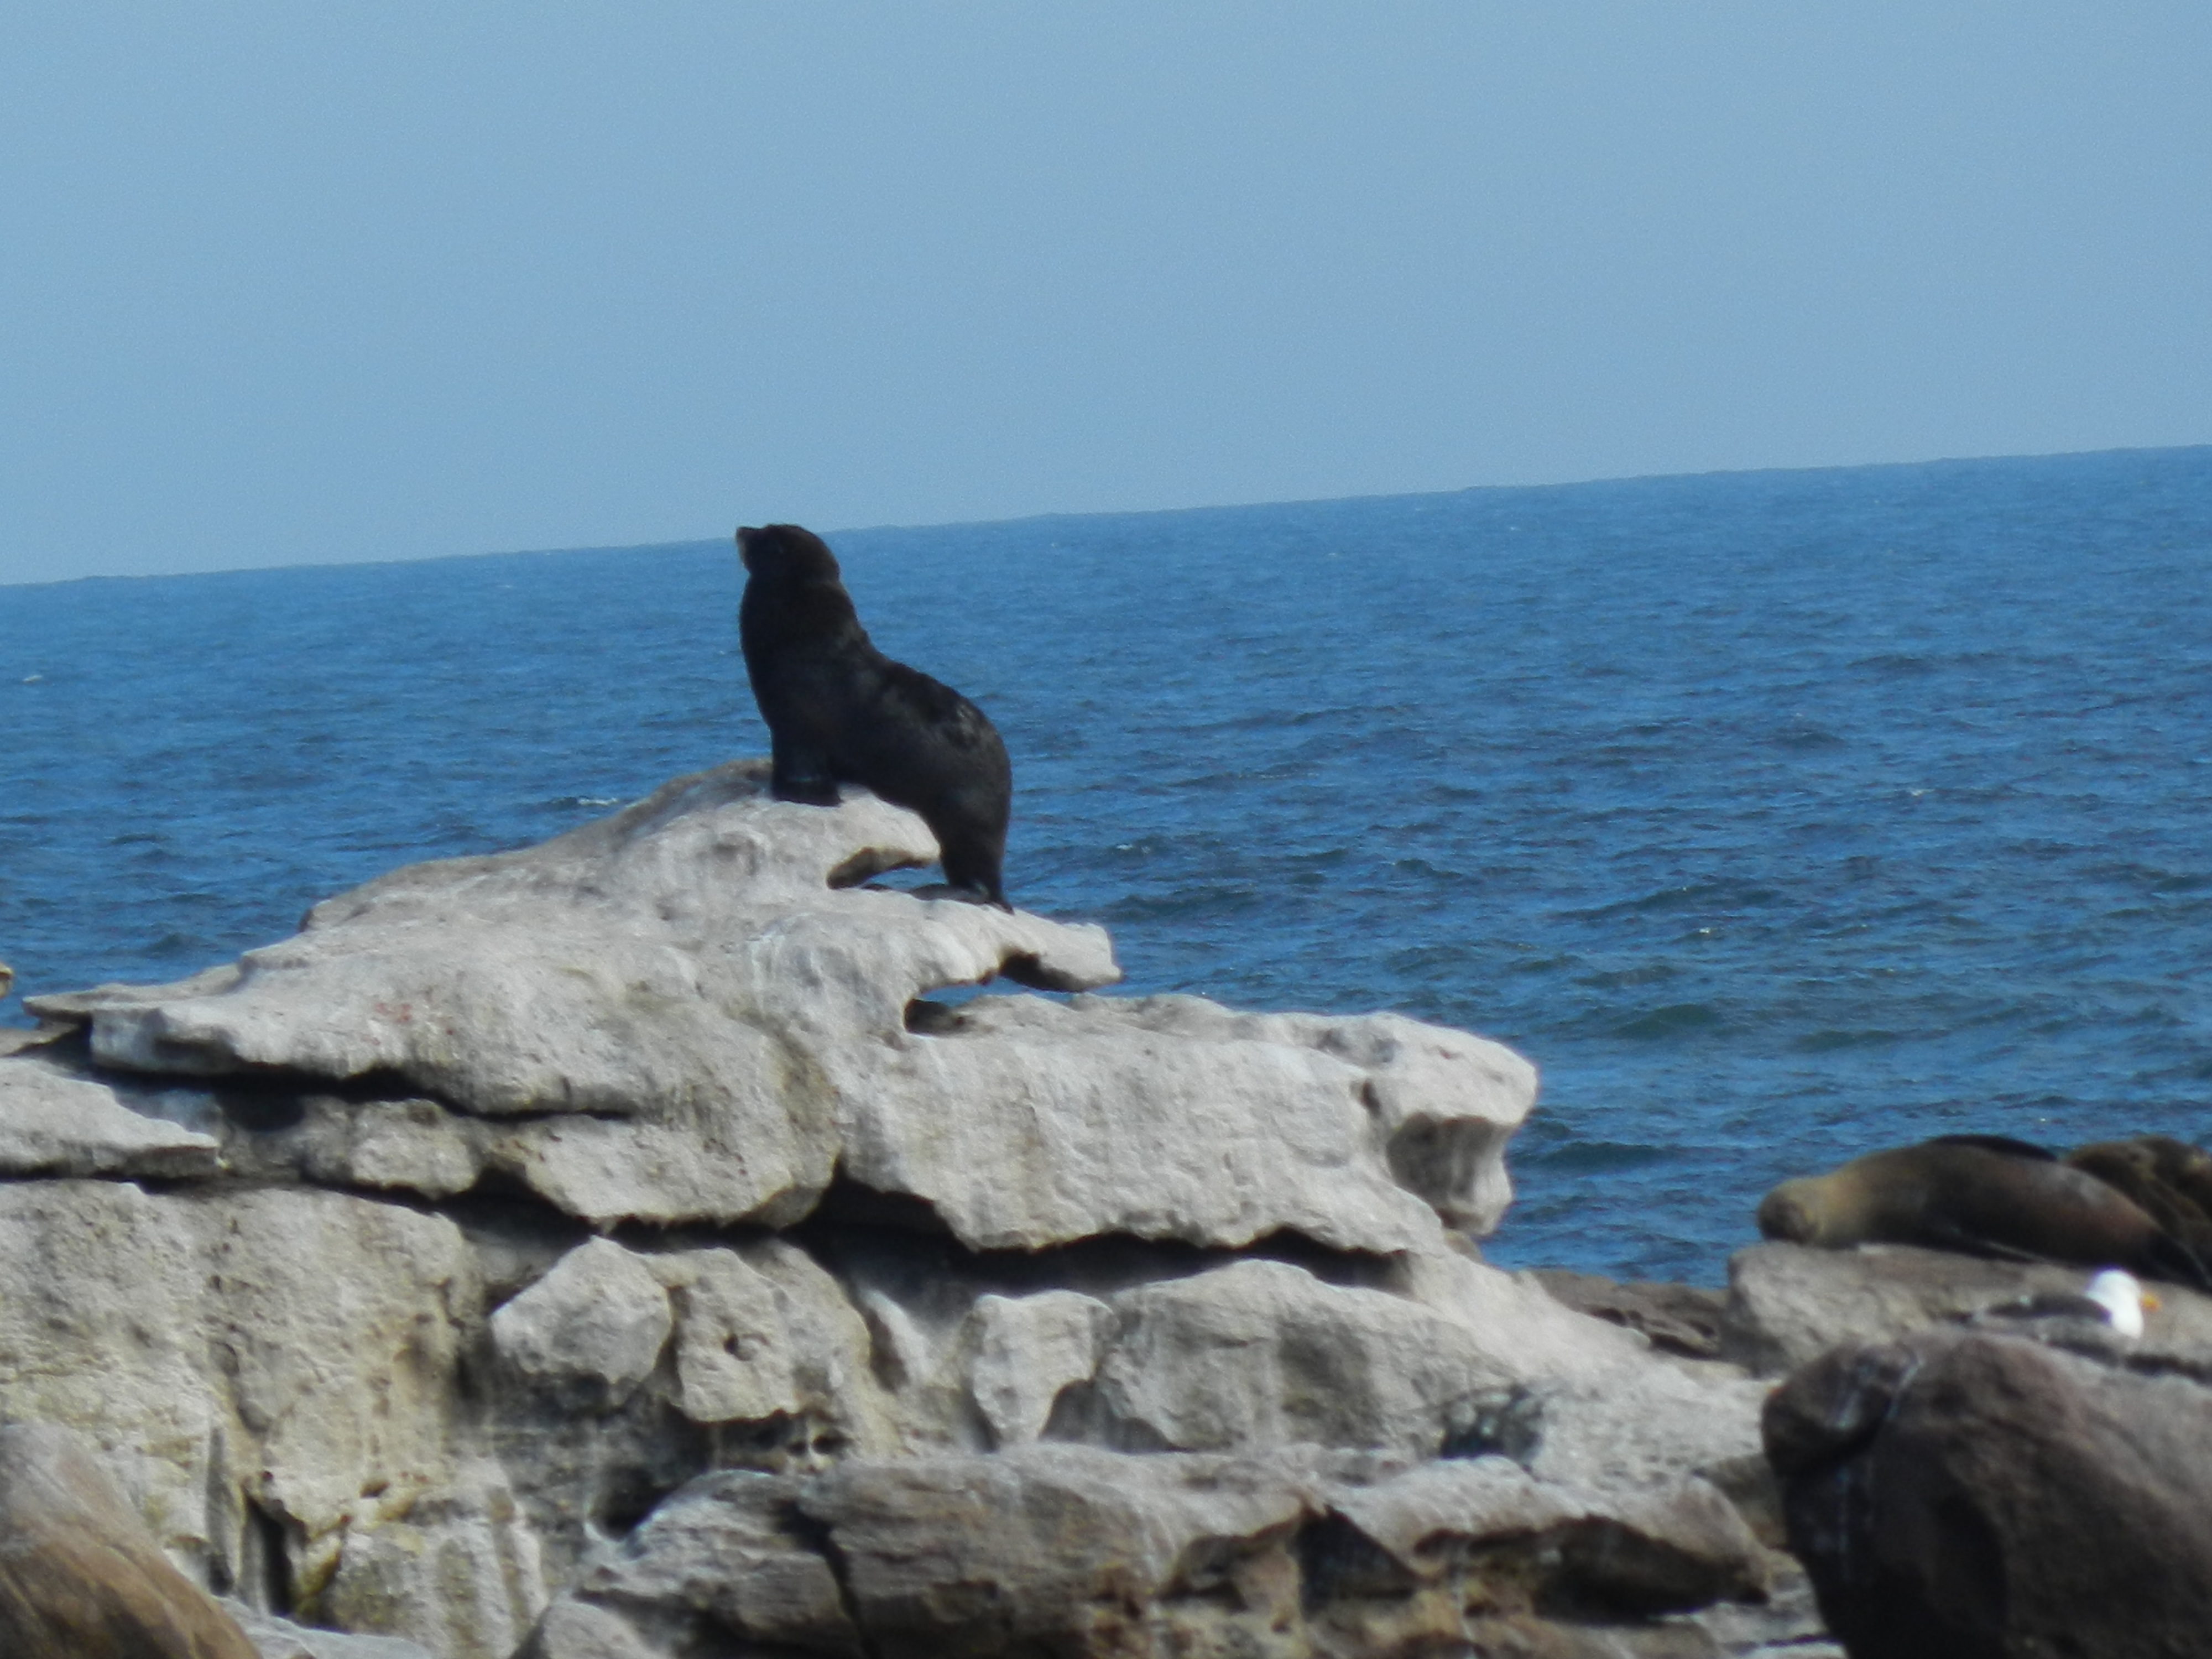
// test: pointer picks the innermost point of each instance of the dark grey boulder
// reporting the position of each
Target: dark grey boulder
(1961, 1495)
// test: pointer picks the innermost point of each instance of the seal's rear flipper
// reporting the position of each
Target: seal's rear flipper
(2168, 1258)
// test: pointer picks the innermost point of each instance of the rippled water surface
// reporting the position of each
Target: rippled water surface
(1777, 816)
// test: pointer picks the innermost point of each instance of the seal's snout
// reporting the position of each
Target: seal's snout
(744, 539)
(1781, 1216)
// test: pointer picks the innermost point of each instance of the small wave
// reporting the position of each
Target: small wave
(1184, 903)
(1809, 739)
(1622, 979)
(1714, 894)
(1896, 663)
(1674, 1020)
(1823, 1043)
(1599, 1156)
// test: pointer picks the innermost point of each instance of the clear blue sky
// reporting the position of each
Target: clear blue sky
(284, 283)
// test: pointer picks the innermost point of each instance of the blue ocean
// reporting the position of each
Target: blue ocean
(1777, 816)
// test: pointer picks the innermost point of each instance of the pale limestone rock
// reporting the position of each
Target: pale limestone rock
(1531, 1333)
(335, 1318)
(101, 1290)
(1790, 1303)
(1673, 1547)
(591, 1329)
(1075, 1550)
(762, 1333)
(584, 1630)
(1026, 1350)
(457, 1572)
(280, 1638)
(727, 1551)
(1638, 1427)
(568, 976)
(54, 1124)
(1046, 1548)
(1086, 1118)
(682, 1020)
(273, 1369)
(682, 964)
(377, 1145)
(412, 1145)
(1261, 1354)
(733, 1352)
(680, 1017)
(608, 1172)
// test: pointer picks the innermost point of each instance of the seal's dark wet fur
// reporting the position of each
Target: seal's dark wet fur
(839, 711)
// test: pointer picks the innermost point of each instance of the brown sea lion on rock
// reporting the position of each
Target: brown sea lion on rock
(1984, 1195)
(839, 711)
(81, 1578)
(2169, 1180)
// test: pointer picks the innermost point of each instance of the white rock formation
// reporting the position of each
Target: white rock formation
(54, 1124)
(678, 1015)
(594, 1326)
(516, 1194)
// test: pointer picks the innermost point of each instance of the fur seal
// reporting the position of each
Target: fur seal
(2169, 1180)
(839, 711)
(1982, 1195)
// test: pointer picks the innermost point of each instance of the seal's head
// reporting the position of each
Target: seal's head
(1790, 1213)
(784, 552)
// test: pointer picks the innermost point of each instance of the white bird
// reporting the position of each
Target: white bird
(2114, 1299)
(2123, 1298)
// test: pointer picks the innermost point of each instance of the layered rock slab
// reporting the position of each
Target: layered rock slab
(53, 1123)
(1079, 1551)
(690, 1013)
(1788, 1304)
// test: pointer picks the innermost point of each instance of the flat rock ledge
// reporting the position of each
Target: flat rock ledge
(621, 1246)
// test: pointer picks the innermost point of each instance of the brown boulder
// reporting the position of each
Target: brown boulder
(81, 1578)
(1957, 1495)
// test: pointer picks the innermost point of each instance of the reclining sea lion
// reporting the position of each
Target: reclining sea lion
(1984, 1195)
(2169, 1180)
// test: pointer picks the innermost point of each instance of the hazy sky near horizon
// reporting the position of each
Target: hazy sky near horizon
(290, 283)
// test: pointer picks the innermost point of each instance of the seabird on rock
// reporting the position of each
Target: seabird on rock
(2114, 1299)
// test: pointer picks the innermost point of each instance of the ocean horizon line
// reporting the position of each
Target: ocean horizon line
(686, 542)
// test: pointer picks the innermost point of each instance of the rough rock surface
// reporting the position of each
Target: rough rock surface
(688, 1013)
(402, 1270)
(1683, 1319)
(80, 1575)
(1789, 1305)
(1959, 1495)
(280, 1638)
(1067, 1550)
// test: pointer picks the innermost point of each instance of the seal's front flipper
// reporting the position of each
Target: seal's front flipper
(802, 774)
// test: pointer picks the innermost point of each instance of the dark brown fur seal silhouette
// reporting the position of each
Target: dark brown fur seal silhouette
(1984, 1195)
(839, 711)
